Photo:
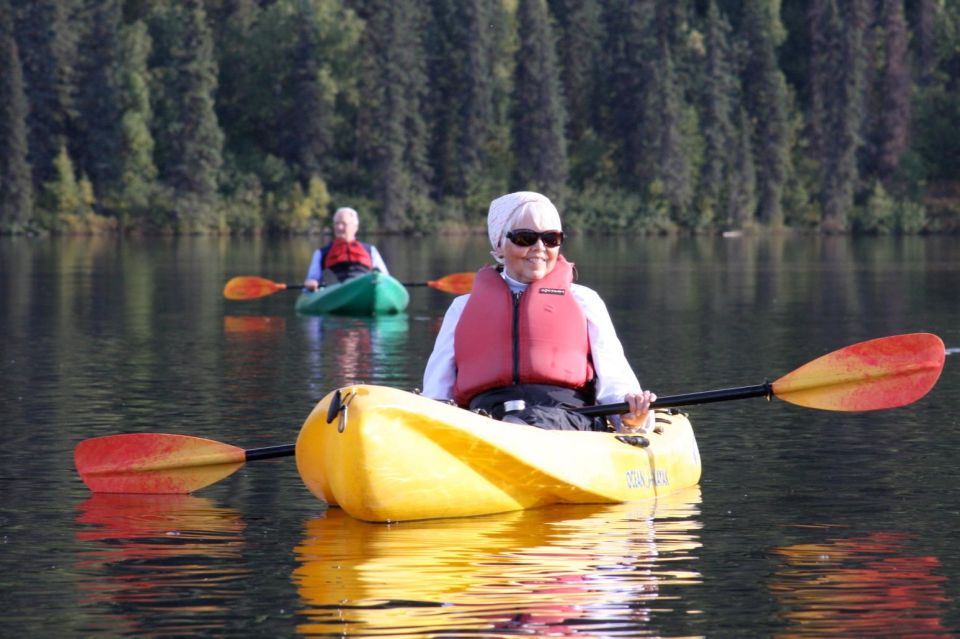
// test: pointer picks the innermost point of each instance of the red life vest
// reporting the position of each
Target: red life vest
(541, 340)
(344, 252)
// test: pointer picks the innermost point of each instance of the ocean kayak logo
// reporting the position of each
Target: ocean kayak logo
(636, 478)
(553, 291)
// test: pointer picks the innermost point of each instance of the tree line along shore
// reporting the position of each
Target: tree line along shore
(639, 116)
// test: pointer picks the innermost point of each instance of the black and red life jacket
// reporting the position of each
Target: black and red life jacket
(347, 259)
(536, 337)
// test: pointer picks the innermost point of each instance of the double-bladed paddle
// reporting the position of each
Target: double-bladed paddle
(249, 287)
(877, 374)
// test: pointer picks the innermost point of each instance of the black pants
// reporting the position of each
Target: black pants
(547, 407)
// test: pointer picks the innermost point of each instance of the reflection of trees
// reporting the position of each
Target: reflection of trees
(554, 570)
(706, 297)
(140, 554)
(858, 587)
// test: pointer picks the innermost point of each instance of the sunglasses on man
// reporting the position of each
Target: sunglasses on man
(526, 237)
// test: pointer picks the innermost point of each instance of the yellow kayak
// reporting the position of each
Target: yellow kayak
(384, 454)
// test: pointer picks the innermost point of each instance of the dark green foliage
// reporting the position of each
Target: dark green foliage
(719, 99)
(189, 139)
(580, 53)
(649, 115)
(136, 186)
(16, 190)
(98, 139)
(837, 81)
(673, 159)
(48, 51)
(629, 122)
(538, 114)
(741, 199)
(308, 134)
(392, 134)
(765, 96)
(463, 37)
(895, 90)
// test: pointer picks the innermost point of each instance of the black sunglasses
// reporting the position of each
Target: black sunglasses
(526, 237)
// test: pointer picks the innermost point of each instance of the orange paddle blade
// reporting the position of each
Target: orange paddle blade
(880, 373)
(154, 463)
(457, 283)
(248, 287)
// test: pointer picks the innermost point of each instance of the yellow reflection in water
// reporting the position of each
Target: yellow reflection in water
(556, 570)
(861, 586)
(140, 553)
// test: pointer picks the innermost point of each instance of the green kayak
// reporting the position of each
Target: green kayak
(374, 293)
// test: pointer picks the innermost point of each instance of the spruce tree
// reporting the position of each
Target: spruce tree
(580, 50)
(672, 165)
(486, 26)
(742, 194)
(137, 171)
(719, 94)
(896, 89)
(392, 135)
(16, 189)
(189, 139)
(48, 50)
(927, 15)
(766, 97)
(538, 114)
(462, 38)
(241, 58)
(837, 74)
(98, 139)
(628, 98)
(307, 131)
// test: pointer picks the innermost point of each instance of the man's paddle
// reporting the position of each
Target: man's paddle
(872, 375)
(249, 287)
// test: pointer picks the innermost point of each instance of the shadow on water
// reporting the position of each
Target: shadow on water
(571, 570)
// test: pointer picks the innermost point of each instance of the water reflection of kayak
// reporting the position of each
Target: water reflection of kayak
(374, 293)
(547, 571)
(390, 455)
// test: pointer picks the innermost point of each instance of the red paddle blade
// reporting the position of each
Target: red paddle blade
(154, 463)
(457, 283)
(248, 287)
(880, 373)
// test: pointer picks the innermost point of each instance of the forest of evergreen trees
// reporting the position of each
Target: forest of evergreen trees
(647, 116)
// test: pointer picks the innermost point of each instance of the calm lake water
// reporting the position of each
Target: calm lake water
(806, 523)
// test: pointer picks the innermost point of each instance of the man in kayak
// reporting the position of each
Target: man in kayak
(345, 257)
(527, 343)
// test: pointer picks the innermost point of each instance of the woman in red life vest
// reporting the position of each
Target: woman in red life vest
(527, 343)
(345, 257)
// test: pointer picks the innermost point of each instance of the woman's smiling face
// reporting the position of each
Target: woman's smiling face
(530, 263)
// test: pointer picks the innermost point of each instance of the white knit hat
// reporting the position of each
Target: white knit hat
(507, 208)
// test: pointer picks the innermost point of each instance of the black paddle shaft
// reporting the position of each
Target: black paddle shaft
(687, 399)
(269, 452)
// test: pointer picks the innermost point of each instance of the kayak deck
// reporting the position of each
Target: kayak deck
(373, 293)
(395, 456)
